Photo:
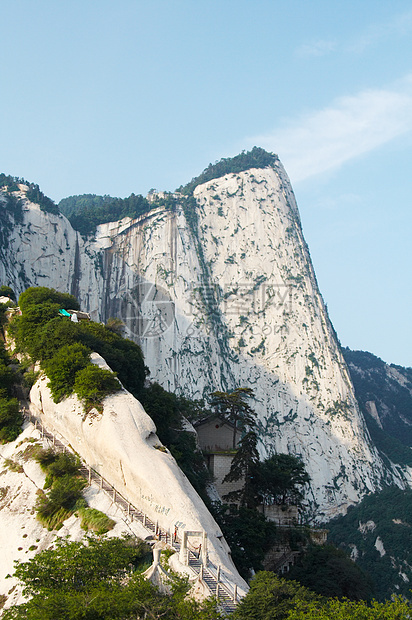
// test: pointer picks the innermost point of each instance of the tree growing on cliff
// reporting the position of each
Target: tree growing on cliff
(243, 466)
(280, 479)
(100, 579)
(234, 407)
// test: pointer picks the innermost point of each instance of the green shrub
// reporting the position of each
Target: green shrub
(256, 158)
(30, 377)
(93, 384)
(7, 291)
(45, 458)
(63, 367)
(13, 466)
(123, 356)
(60, 503)
(36, 295)
(10, 419)
(95, 521)
(25, 328)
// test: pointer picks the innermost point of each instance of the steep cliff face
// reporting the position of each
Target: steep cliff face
(219, 297)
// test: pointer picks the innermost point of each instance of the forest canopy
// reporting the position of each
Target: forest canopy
(256, 158)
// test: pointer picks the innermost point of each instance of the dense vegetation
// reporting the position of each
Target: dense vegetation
(101, 579)
(64, 485)
(10, 416)
(256, 158)
(272, 598)
(167, 411)
(87, 211)
(387, 517)
(375, 381)
(330, 572)
(63, 348)
(34, 194)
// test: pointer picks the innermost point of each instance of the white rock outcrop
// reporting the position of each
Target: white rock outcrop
(121, 444)
(21, 534)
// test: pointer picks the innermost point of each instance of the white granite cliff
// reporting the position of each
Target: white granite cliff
(222, 299)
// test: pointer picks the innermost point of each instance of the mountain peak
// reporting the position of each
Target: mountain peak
(256, 158)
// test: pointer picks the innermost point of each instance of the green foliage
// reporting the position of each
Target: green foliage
(190, 460)
(95, 521)
(76, 204)
(77, 566)
(10, 182)
(10, 417)
(45, 458)
(390, 446)
(25, 328)
(34, 194)
(35, 295)
(332, 609)
(50, 335)
(233, 407)
(373, 381)
(115, 325)
(88, 211)
(65, 484)
(58, 464)
(92, 384)
(51, 338)
(13, 466)
(60, 502)
(249, 534)
(272, 598)
(256, 158)
(330, 572)
(3, 316)
(163, 408)
(391, 513)
(166, 411)
(100, 580)
(243, 466)
(62, 369)
(7, 291)
(280, 479)
(123, 356)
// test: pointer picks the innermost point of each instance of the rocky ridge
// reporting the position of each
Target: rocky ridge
(221, 297)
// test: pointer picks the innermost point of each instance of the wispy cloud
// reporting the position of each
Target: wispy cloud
(351, 126)
(316, 48)
(399, 26)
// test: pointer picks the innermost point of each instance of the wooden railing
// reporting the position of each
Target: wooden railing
(201, 566)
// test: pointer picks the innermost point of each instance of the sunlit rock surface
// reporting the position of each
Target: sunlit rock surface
(221, 297)
(121, 444)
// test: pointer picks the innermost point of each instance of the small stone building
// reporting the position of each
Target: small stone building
(215, 437)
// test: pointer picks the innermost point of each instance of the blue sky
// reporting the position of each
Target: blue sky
(117, 97)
